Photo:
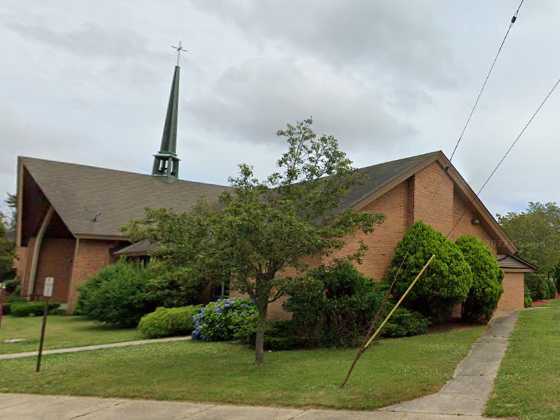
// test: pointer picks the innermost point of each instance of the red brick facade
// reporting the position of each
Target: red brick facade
(89, 257)
(514, 292)
(430, 195)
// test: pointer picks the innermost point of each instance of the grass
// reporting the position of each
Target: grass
(390, 371)
(62, 331)
(528, 381)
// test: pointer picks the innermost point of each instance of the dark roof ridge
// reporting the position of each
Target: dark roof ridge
(24, 158)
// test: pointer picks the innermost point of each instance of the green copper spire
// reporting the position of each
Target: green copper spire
(166, 162)
(169, 137)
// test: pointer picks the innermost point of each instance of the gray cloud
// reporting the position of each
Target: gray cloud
(251, 101)
(391, 41)
(88, 83)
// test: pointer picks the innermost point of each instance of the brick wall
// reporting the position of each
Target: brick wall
(514, 293)
(433, 198)
(55, 260)
(463, 216)
(89, 257)
(394, 205)
(20, 261)
(25, 267)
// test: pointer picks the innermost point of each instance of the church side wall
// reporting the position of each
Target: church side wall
(55, 260)
(395, 206)
(89, 257)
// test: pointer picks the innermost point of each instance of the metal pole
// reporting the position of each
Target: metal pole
(362, 349)
(2, 286)
(1, 302)
(41, 341)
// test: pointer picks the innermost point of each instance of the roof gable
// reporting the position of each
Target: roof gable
(97, 202)
(386, 176)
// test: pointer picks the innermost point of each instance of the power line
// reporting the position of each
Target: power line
(512, 21)
(510, 148)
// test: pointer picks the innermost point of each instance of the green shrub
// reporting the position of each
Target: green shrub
(486, 288)
(13, 286)
(279, 336)
(225, 319)
(332, 306)
(116, 295)
(405, 323)
(172, 286)
(446, 282)
(539, 286)
(527, 302)
(121, 293)
(167, 322)
(23, 309)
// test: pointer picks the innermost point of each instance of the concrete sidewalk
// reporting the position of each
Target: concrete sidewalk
(467, 392)
(94, 347)
(39, 407)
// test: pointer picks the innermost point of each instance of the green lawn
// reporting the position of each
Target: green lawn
(528, 383)
(392, 370)
(62, 331)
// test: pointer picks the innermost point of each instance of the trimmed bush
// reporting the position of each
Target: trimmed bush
(486, 288)
(405, 323)
(332, 306)
(116, 295)
(121, 293)
(224, 320)
(279, 336)
(446, 282)
(527, 302)
(539, 286)
(167, 322)
(23, 309)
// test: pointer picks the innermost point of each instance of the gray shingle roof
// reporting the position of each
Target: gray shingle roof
(98, 202)
(510, 262)
(376, 176)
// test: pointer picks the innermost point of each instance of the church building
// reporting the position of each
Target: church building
(70, 215)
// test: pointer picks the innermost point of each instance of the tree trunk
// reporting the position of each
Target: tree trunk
(261, 326)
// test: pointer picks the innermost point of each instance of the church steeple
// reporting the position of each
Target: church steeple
(166, 162)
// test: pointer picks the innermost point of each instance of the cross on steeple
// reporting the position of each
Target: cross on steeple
(179, 49)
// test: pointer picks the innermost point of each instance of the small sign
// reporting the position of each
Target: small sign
(48, 288)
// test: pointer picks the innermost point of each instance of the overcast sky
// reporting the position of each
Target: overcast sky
(88, 82)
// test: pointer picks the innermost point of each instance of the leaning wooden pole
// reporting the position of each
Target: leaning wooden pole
(364, 347)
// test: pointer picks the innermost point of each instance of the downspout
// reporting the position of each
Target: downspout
(36, 251)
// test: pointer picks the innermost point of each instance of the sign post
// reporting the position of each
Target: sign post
(2, 288)
(47, 293)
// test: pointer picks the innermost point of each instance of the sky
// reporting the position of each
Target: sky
(88, 82)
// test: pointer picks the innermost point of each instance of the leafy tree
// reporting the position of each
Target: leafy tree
(486, 288)
(7, 251)
(536, 233)
(447, 280)
(11, 201)
(263, 227)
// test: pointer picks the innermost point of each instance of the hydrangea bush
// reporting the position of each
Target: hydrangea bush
(225, 319)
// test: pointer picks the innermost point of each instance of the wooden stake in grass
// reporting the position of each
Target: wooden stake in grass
(369, 340)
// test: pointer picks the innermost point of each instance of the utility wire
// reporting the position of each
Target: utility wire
(510, 148)
(369, 337)
(475, 106)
